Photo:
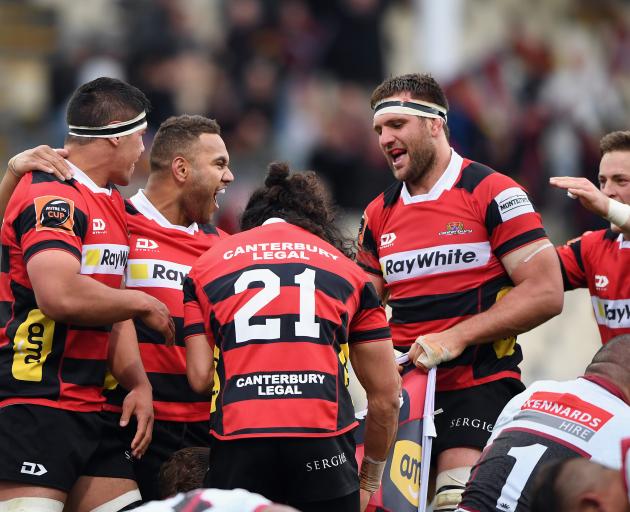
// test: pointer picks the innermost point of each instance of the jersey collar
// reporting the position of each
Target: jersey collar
(446, 182)
(623, 243)
(609, 386)
(146, 208)
(85, 180)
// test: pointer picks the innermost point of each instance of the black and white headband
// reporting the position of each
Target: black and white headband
(111, 130)
(410, 107)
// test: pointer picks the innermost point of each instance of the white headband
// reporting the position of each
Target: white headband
(111, 130)
(411, 108)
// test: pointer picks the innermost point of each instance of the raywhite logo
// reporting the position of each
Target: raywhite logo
(104, 259)
(32, 468)
(513, 202)
(387, 240)
(434, 260)
(612, 313)
(147, 273)
(146, 244)
(98, 225)
(601, 281)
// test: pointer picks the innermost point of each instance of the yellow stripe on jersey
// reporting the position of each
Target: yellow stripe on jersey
(31, 346)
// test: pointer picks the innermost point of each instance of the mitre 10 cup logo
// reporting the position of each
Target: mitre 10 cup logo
(54, 213)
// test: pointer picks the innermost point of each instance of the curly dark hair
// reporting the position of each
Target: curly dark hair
(614, 141)
(184, 471)
(299, 198)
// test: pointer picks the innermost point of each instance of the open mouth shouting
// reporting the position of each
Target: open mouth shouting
(218, 191)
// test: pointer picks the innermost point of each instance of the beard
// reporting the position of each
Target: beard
(421, 161)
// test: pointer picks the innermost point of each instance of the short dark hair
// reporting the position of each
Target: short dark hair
(420, 86)
(545, 493)
(176, 137)
(102, 101)
(184, 471)
(301, 199)
(615, 141)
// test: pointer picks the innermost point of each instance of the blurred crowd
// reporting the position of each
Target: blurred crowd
(535, 86)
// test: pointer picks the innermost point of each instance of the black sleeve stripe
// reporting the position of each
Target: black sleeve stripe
(80, 223)
(369, 298)
(392, 193)
(368, 243)
(565, 277)
(193, 330)
(373, 334)
(5, 263)
(190, 295)
(44, 177)
(518, 241)
(472, 175)
(576, 247)
(375, 271)
(493, 217)
(51, 244)
(24, 222)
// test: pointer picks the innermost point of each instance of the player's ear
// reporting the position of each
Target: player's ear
(180, 168)
(114, 141)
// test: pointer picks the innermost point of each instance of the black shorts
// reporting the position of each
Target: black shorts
(289, 470)
(168, 437)
(468, 415)
(50, 447)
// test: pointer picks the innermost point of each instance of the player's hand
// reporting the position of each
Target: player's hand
(593, 199)
(158, 318)
(430, 350)
(364, 499)
(42, 158)
(139, 403)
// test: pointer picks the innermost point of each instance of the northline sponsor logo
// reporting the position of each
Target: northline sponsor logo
(434, 260)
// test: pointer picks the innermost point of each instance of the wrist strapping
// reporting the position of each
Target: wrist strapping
(431, 356)
(371, 474)
(11, 168)
(618, 213)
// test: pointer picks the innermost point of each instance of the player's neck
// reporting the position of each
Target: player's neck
(161, 195)
(427, 181)
(92, 162)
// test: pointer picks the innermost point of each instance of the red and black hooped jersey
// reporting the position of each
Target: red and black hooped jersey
(282, 306)
(42, 361)
(439, 255)
(599, 261)
(160, 256)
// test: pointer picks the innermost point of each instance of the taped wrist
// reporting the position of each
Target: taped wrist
(371, 474)
(618, 213)
(11, 167)
(432, 356)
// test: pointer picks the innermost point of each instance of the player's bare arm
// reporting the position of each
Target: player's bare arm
(199, 365)
(126, 366)
(41, 158)
(382, 386)
(595, 201)
(67, 296)
(536, 297)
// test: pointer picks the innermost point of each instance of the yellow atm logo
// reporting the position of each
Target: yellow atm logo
(216, 386)
(31, 346)
(405, 469)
